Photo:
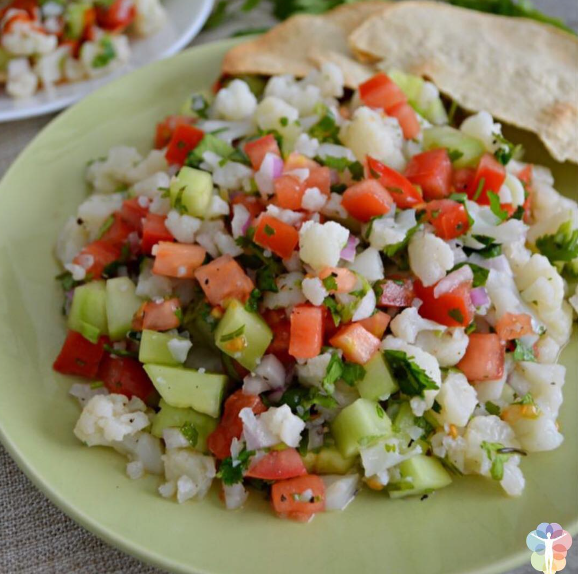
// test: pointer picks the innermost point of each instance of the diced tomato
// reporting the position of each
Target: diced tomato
(306, 332)
(402, 191)
(367, 199)
(281, 327)
(230, 426)
(289, 192)
(381, 92)
(158, 316)
(276, 235)
(29, 6)
(490, 176)
(319, 177)
(118, 232)
(259, 148)
(166, 128)
(376, 324)
(154, 231)
(484, 359)
(278, 465)
(286, 497)
(407, 119)
(432, 171)
(184, 140)
(452, 309)
(223, 279)
(101, 254)
(449, 218)
(356, 342)
(178, 260)
(117, 16)
(298, 161)
(134, 213)
(252, 204)
(396, 293)
(79, 356)
(462, 179)
(344, 278)
(126, 376)
(513, 326)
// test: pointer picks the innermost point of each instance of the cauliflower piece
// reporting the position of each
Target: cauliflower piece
(512, 191)
(289, 293)
(333, 207)
(49, 67)
(109, 418)
(287, 216)
(314, 290)
(21, 80)
(152, 286)
(513, 482)
(313, 199)
(151, 186)
(547, 349)
(408, 324)
(458, 400)
(302, 96)
(312, 372)
(226, 244)
(372, 133)
(235, 495)
(179, 349)
(330, 80)
(540, 284)
(537, 435)
(306, 145)
(236, 101)
(559, 323)
(385, 454)
(448, 347)
(182, 227)
(232, 175)
(391, 229)
(108, 174)
(25, 39)
(320, 244)
(368, 264)
(150, 17)
(189, 474)
(429, 257)
(282, 423)
(72, 238)
(142, 448)
(96, 210)
(482, 127)
(272, 111)
(92, 52)
(152, 164)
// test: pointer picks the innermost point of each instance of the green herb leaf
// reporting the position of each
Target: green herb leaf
(249, 32)
(481, 274)
(210, 142)
(333, 373)
(330, 283)
(326, 129)
(269, 231)
(489, 249)
(252, 304)
(496, 206)
(352, 373)
(411, 378)
(200, 105)
(392, 250)
(231, 471)
(333, 307)
(341, 164)
(498, 454)
(523, 353)
(456, 315)
(527, 399)
(455, 154)
(561, 246)
(190, 433)
(108, 223)
(492, 408)
(302, 400)
(107, 53)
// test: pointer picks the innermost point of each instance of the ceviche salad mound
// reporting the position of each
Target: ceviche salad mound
(47, 42)
(305, 292)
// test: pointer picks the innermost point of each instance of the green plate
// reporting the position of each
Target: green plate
(470, 527)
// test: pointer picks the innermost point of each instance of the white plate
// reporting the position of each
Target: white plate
(185, 18)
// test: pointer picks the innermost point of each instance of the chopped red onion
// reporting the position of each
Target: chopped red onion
(348, 252)
(451, 281)
(479, 297)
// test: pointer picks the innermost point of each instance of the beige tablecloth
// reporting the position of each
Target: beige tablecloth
(35, 537)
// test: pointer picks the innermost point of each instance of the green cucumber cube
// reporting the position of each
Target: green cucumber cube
(377, 384)
(410, 85)
(328, 461)
(420, 475)
(358, 424)
(121, 305)
(454, 141)
(154, 348)
(192, 189)
(243, 335)
(88, 311)
(404, 419)
(75, 17)
(187, 388)
(172, 417)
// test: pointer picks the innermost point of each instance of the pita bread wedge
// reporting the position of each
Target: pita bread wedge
(299, 44)
(522, 72)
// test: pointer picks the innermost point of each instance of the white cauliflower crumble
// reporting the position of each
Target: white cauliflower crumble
(321, 244)
(236, 101)
(430, 257)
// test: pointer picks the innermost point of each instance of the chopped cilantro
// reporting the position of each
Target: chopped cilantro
(392, 250)
(330, 283)
(333, 307)
(284, 122)
(379, 410)
(67, 281)
(479, 189)
(489, 249)
(527, 399)
(332, 373)
(480, 273)
(561, 246)
(492, 408)
(326, 129)
(200, 105)
(498, 454)
(301, 400)
(496, 206)
(106, 55)
(455, 154)
(210, 142)
(342, 163)
(190, 433)
(456, 315)
(411, 378)
(462, 198)
(108, 223)
(233, 334)
(507, 150)
(269, 231)
(252, 303)
(352, 373)
(231, 471)
(523, 353)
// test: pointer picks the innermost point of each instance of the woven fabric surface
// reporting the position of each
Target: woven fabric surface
(36, 537)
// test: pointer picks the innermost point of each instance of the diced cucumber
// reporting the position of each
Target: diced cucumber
(121, 305)
(154, 348)
(243, 335)
(75, 17)
(436, 113)
(410, 85)
(454, 141)
(172, 417)
(404, 419)
(192, 189)
(201, 324)
(88, 311)
(187, 388)
(420, 474)
(358, 423)
(328, 461)
(377, 384)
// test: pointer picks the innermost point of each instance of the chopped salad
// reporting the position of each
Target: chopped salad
(48, 42)
(305, 291)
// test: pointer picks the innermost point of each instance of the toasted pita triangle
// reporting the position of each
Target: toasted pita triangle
(524, 73)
